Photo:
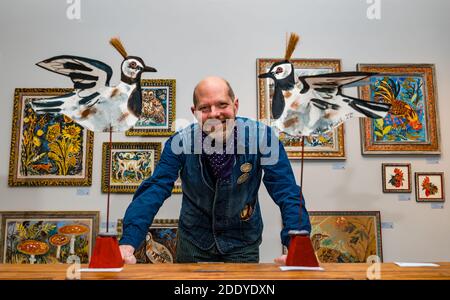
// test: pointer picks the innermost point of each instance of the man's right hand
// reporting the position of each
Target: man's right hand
(127, 253)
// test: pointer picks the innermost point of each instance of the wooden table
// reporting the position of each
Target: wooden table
(221, 271)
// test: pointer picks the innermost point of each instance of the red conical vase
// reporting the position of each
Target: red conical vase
(106, 252)
(301, 252)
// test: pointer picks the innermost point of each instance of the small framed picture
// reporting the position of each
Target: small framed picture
(128, 164)
(430, 187)
(396, 178)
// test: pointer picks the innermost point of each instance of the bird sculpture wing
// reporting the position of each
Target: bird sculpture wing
(88, 75)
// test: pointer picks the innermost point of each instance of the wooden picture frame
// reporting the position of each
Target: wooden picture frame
(158, 109)
(396, 177)
(346, 236)
(47, 150)
(412, 125)
(177, 187)
(160, 242)
(327, 146)
(132, 163)
(56, 236)
(429, 186)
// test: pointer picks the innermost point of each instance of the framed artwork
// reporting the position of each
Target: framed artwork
(158, 109)
(346, 236)
(430, 187)
(396, 178)
(46, 237)
(327, 146)
(131, 163)
(160, 243)
(47, 150)
(412, 125)
(177, 187)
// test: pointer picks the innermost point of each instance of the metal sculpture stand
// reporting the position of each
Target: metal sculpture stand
(106, 253)
(301, 252)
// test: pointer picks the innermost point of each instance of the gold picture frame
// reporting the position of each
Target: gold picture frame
(328, 146)
(158, 109)
(132, 163)
(47, 150)
(412, 125)
(57, 236)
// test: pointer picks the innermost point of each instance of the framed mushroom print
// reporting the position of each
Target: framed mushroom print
(47, 150)
(158, 109)
(47, 237)
(160, 242)
(126, 165)
(326, 146)
(430, 187)
(346, 236)
(396, 177)
(412, 125)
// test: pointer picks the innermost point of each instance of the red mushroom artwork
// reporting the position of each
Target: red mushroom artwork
(32, 248)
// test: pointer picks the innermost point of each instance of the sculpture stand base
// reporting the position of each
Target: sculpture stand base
(106, 252)
(301, 252)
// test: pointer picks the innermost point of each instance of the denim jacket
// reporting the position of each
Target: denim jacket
(212, 211)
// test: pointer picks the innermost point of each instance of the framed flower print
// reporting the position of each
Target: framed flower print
(396, 178)
(430, 187)
(47, 149)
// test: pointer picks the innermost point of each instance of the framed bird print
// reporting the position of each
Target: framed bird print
(430, 187)
(126, 165)
(47, 237)
(396, 177)
(160, 242)
(328, 145)
(158, 109)
(346, 236)
(47, 149)
(411, 125)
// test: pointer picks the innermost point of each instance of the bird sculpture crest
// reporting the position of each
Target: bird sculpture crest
(93, 103)
(314, 105)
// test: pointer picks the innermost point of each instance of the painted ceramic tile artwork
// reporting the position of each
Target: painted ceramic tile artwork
(49, 149)
(346, 237)
(430, 187)
(406, 122)
(35, 240)
(160, 242)
(396, 178)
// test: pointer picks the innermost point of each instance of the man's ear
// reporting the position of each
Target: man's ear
(236, 104)
(193, 110)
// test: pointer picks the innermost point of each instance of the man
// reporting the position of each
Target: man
(221, 160)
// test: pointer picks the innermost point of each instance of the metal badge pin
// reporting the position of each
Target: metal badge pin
(243, 178)
(245, 168)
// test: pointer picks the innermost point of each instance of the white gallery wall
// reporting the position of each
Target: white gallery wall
(188, 40)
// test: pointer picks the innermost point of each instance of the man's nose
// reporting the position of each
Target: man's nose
(214, 113)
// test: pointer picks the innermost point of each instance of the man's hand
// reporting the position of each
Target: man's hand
(127, 252)
(281, 260)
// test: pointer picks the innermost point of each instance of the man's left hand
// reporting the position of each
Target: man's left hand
(280, 260)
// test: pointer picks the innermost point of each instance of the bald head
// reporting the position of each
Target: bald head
(212, 84)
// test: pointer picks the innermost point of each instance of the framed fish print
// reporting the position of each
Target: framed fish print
(396, 178)
(412, 125)
(160, 242)
(47, 237)
(47, 149)
(326, 146)
(158, 109)
(430, 187)
(346, 236)
(126, 165)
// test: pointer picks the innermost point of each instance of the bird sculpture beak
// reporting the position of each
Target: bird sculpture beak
(265, 75)
(149, 69)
